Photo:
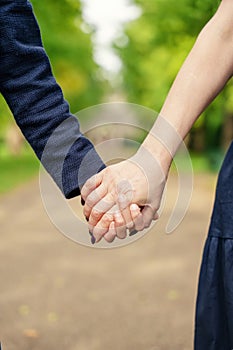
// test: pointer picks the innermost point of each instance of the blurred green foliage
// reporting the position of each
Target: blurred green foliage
(15, 170)
(67, 40)
(153, 48)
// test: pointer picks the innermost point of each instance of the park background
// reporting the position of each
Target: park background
(144, 295)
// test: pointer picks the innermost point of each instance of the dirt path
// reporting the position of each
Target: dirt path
(56, 294)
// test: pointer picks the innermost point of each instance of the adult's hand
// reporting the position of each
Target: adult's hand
(139, 180)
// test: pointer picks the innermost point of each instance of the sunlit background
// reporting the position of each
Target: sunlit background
(123, 50)
(108, 19)
(100, 51)
(126, 50)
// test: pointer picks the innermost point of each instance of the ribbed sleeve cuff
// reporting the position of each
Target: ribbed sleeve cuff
(77, 170)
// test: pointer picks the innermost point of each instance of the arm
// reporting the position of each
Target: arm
(37, 102)
(206, 70)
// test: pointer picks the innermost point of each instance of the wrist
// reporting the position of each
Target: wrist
(163, 141)
(158, 151)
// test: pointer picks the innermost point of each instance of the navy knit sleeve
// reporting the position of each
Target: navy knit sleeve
(37, 102)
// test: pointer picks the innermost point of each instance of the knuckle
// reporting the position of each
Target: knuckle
(99, 232)
(106, 219)
(88, 184)
(86, 212)
(102, 206)
(123, 201)
(89, 202)
(83, 192)
(134, 215)
(120, 223)
(108, 172)
(95, 213)
(120, 217)
(111, 196)
(109, 216)
(130, 225)
(92, 221)
(94, 198)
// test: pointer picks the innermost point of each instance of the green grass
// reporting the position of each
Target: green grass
(16, 170)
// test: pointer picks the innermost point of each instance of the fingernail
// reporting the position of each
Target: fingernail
(134, 207)
(92, 239)
(82, 201)
(87, 219)
(133, 232)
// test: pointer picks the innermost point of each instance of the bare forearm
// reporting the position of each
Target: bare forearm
(203, 75)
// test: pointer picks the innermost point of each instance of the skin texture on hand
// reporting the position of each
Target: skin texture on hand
(139, 180)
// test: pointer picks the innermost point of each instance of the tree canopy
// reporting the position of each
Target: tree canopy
(68, 42)
(153, 48)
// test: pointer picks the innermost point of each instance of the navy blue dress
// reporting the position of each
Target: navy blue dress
(214, 312)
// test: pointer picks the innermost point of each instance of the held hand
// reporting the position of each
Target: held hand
(108, 194)
(117, 228)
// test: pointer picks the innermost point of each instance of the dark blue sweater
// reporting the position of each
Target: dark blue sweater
(37, 102)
